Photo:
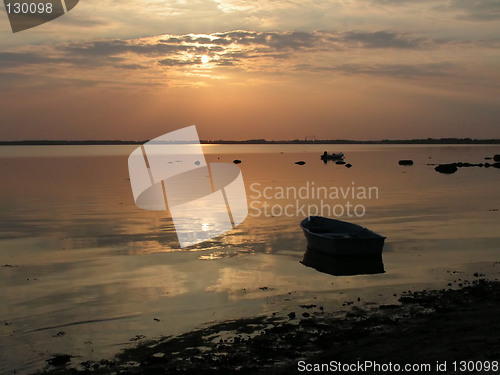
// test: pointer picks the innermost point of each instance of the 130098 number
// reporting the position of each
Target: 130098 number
(475, 366)
(29, 8)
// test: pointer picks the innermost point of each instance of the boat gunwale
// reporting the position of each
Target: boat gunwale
(370, 234)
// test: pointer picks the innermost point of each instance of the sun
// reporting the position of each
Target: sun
(205, 59)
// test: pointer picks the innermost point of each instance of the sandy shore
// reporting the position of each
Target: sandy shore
(425, 328)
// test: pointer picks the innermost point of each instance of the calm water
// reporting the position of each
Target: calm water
(84, 270)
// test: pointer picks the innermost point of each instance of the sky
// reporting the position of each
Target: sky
(273, 69)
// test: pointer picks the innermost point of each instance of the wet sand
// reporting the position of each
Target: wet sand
(424, 327)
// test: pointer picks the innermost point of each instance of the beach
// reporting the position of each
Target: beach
(445, 331)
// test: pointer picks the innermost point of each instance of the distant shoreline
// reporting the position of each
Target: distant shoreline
(424, 141)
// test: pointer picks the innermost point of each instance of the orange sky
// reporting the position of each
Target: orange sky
(369, 69)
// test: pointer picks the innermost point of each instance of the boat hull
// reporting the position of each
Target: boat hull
(340, 238)
(332, 156)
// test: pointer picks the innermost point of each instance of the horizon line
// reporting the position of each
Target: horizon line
(447, 140)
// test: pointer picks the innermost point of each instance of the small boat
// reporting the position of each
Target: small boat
(339, 238)
(334, 156)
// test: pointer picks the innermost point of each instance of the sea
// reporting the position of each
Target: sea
(85, 272)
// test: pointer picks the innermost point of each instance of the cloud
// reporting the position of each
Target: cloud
(401, 2)
(132, 66)
(408, 70)
(128, 19)
(105, 49)
(242, 44)
(147, 60)
(175, 62)
(277, 40)
(22, 58)
(477, 10)
(399, 70)
(383, 39)
(181, 50)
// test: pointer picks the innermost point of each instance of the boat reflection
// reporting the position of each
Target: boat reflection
(343, 265)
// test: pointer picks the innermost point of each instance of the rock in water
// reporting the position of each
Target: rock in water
(301, 162)
(348, 165)
(406, 162)
(59, 360)
(236, 161)
(446, 168)
(496, 157)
